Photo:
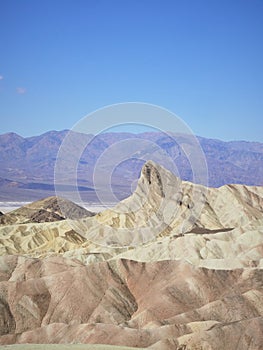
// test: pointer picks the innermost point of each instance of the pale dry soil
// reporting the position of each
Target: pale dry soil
(65, 347)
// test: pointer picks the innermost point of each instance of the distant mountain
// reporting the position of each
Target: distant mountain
(27, 164)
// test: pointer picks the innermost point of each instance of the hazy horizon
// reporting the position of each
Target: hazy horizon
(62, 60)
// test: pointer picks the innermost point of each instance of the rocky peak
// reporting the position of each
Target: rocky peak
(151, 176)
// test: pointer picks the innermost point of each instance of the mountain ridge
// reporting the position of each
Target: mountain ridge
(27, 164)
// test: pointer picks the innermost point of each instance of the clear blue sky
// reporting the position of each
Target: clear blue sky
(201, 59)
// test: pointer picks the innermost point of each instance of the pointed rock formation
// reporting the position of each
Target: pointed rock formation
(165, 205)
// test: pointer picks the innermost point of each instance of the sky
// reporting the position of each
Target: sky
(201, 59)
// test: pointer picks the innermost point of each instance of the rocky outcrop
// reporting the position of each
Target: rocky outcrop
(45, 210)
(164, 205)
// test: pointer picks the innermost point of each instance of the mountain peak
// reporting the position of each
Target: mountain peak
(151, 176)
(11, 137)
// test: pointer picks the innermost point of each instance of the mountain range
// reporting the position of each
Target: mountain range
(27, 164)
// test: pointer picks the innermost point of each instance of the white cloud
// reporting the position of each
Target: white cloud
(21, 90)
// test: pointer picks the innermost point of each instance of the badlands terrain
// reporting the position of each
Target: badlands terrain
(174, 266)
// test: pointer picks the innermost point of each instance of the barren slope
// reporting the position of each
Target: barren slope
(45, 210)
(56, 300)
(164, 219)
(174, 266)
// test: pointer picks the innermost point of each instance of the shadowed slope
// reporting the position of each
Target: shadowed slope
(58, 300)
(45, 210)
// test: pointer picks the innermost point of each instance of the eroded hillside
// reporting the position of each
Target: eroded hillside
(174, 266)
